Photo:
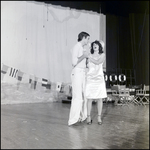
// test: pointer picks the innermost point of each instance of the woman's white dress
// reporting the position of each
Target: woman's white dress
(95, 82)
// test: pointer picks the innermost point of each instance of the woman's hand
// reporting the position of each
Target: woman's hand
(86, 54)
(89, 58)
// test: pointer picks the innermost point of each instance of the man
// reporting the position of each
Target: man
(78, 110)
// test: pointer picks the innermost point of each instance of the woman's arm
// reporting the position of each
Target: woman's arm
(99, 61)
(85, 55)
(79, 59)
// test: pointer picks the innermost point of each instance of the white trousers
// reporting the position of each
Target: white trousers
(78, 108)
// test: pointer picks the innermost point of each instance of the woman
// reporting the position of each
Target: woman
(95, 85)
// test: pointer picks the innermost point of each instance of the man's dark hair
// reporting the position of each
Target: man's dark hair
(81, 35)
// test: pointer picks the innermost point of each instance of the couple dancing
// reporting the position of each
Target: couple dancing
(87, 85)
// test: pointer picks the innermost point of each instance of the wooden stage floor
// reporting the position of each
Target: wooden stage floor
(44, 126)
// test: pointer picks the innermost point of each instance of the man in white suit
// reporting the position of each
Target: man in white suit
(78, 110)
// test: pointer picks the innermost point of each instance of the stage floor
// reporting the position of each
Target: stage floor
(44, 126)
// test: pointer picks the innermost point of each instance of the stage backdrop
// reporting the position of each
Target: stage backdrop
(36, 38)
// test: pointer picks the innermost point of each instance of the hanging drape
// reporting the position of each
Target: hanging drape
(128, 46)
(139, 31)
(36, 38)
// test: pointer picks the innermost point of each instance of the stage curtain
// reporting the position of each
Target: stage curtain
(36, 38)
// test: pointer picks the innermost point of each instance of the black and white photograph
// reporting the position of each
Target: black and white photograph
(74, 74)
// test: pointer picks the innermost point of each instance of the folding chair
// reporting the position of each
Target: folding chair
(138, 94)
(145, 98)
(132, 96)
(124, 95)
(129, 94)
(142, 95)
(115, 93)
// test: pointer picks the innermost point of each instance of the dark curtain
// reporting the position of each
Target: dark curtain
(127, 40)
(111, 41)
(139, 26)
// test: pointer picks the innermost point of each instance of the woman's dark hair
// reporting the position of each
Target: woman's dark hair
(81, 35)
(99, 45)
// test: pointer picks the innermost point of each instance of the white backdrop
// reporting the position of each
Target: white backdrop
(37, 37)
